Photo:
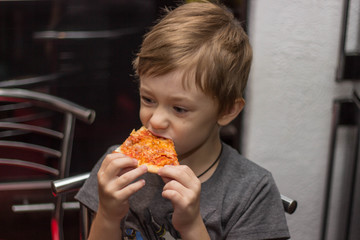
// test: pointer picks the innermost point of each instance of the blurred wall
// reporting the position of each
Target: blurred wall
(289, 99)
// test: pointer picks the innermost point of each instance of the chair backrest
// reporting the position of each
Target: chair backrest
(40, 81)
(36, 136)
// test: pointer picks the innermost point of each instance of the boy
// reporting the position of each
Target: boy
(192, 68)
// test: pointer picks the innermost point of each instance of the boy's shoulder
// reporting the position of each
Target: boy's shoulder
(238, 176)
(239, 166)
(241, 192)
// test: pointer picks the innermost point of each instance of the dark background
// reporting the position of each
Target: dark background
(92, 68)
(81, 50)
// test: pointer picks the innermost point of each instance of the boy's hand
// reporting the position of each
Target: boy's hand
(183, 188)
(115, 181)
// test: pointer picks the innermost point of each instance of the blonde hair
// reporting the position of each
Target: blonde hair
(207, 43)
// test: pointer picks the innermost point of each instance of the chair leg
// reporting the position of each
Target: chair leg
(57, 230)
(54, 229)
(84, 222)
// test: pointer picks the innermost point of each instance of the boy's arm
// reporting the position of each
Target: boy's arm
(116, 184)
(183, 188)
(103, 228)
(196, 230)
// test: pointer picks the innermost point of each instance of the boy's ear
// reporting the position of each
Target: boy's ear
(229, 115)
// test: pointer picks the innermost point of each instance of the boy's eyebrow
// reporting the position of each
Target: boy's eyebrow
(181, 98)
(144, 90)
(178, 98)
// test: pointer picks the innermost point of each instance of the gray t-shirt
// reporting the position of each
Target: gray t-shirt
(239, 201)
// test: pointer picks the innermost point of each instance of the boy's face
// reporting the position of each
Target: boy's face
(187, 116)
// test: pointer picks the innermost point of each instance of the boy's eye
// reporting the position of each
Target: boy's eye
(147, 100)
(180, 110)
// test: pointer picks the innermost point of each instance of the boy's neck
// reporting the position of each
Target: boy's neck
(200, 159)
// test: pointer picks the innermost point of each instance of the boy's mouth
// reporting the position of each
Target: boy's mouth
(158, 135)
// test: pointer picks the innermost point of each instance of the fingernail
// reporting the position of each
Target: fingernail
(144, 167)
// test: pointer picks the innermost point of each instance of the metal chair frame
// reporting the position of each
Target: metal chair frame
(19, 98)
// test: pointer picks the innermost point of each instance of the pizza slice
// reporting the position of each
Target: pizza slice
(150, 150)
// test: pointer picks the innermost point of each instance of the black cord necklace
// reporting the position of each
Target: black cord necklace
(212, 165)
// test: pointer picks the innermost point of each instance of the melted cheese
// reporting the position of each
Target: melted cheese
(149, 149)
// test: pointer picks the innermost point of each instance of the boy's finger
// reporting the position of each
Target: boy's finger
(128, 177)
(115, 167)
(115, 164)
(109, 158)
(166, 179)
(174, 185)
(174, 196)
(129, 190)
(182, 174)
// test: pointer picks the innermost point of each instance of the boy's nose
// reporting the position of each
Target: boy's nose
(159, 120)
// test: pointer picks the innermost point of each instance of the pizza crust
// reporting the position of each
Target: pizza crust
(151, 168)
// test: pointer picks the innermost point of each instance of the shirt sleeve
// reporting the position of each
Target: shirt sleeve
(263, 216)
